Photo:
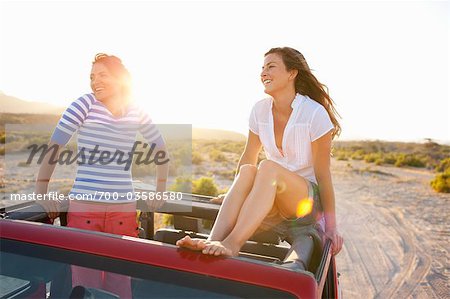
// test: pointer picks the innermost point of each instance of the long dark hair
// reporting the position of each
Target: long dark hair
(307, 84)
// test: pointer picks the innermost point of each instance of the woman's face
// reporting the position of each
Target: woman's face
(103, 83)
(274, 75)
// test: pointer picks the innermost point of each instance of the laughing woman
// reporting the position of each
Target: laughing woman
(295, 125)
(107, 121)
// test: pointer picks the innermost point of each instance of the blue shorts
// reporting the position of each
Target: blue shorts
(286, 228)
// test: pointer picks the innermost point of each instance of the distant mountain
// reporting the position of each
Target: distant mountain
(214, 134)
(27, 118)
(15, 110)
(10, 104)
(47, 118)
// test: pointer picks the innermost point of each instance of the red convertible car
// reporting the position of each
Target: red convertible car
(36, 260)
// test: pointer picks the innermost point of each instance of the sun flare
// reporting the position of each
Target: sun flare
(304, 207)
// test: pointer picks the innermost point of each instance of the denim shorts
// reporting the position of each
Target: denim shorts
(288, 228)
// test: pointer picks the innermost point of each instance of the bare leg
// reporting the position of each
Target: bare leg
(233, 201)
(272, 182)
(229, 211)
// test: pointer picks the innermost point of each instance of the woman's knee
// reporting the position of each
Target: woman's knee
(268, 167)
(247, 171)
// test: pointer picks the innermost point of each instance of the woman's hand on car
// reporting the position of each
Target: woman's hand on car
(218, 199)
(336, 240)
(51, 206)
(156, 202)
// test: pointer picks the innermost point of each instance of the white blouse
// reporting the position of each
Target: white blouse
(308, 122)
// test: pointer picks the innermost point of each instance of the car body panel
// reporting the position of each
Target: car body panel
(299, 283)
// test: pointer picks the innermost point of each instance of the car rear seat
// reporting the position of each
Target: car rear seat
(276, 252)
(306, 249)
(192, 224)
(307, 246)
(303, 253)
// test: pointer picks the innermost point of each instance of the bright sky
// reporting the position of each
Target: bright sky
(386, 64)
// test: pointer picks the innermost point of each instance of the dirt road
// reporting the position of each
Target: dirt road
(396, 232)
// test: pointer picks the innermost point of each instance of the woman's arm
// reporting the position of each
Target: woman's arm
(251, 151)
(70, 121)
(44, 175)
(321, 149)
(162, 173)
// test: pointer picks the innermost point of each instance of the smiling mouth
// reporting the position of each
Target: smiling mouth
(267, 81)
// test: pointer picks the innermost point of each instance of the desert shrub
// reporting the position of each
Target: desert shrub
(417, 161)
(2, 138)
(342, 156)
(204, 186)
(400, 160)
(441, 182)
(428, 154)
(375, 146)
(227, 174)
(410, 160)
(443, 166)
(358, 155)
(2, 150)
(197, 158)
(184, 155)
(233, 147)
(182, 184)
(372, 157)
(199, 170)
(389, 158)
(167, 220)
(217, 156)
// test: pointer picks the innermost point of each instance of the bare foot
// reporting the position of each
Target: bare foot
(220, 248)
(193, 244)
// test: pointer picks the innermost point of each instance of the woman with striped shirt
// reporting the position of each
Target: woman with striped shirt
(107, 122)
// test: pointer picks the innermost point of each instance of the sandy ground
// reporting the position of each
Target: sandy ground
(395, 227)
(396, 232)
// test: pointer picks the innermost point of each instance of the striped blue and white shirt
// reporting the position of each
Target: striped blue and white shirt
(108, 135)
